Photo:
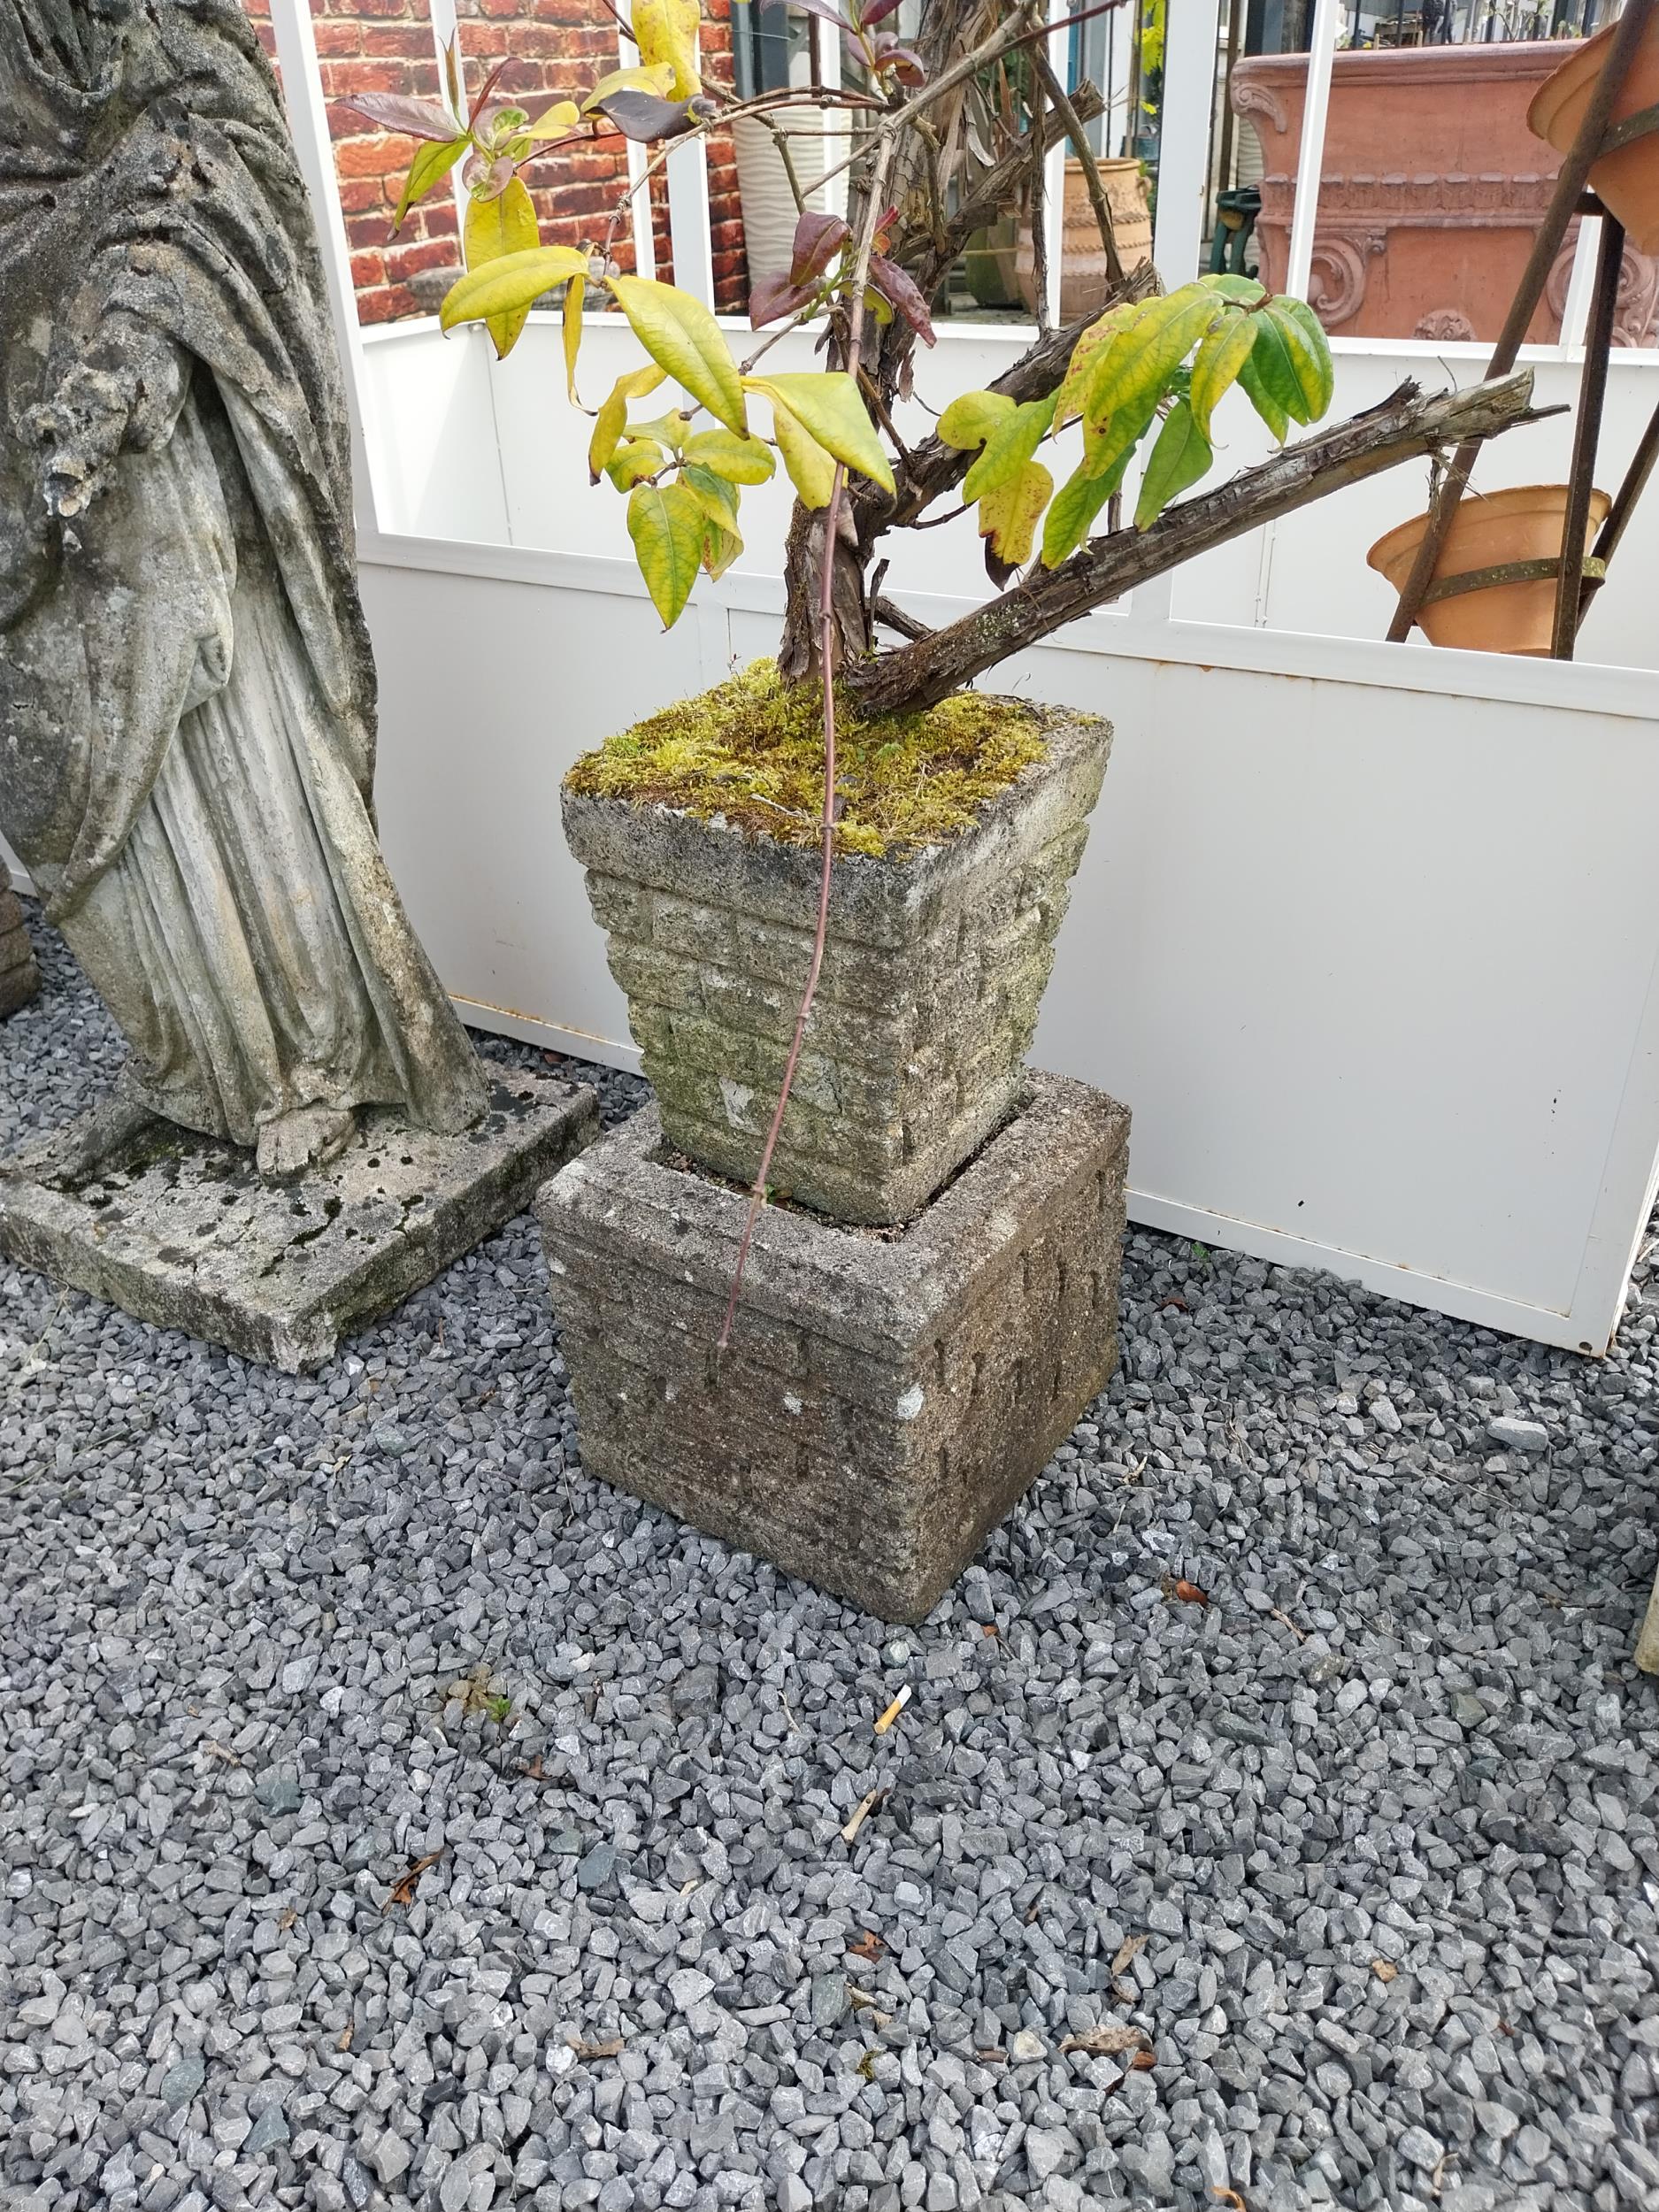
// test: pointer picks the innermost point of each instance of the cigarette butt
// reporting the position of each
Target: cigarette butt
(893, 1711)
(857, 1821)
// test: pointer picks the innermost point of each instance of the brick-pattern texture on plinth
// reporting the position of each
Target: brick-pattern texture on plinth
(20, 978)
(934, 975)
(883, 1403)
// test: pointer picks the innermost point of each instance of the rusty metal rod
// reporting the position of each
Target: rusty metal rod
(1624, 506)
(1564, 204)
(1586, 437)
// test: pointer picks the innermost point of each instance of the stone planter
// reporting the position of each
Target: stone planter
(935, 971)
(885, 1401)
(20, 978)
(1432, 190)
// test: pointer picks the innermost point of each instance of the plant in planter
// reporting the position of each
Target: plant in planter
(833, 887)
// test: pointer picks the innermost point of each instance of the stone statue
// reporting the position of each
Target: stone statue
(186, 694)
(20, 978)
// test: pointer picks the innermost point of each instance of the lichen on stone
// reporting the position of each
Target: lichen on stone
(751, 752)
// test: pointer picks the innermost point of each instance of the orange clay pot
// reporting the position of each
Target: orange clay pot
(1626, 182)
(1524, 524)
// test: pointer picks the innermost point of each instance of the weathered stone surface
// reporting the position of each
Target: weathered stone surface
(933, 977)
(20, 978)
(885, 1401)
(187, 692)
(182, 1230)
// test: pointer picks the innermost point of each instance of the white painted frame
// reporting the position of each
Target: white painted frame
(478, 851)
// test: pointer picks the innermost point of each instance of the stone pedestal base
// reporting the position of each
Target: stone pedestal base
(888, 1397)
(20, 978)
(180, 1229)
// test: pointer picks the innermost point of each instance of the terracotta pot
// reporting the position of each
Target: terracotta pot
(1084, 282)
(1431, 191)
(1626, 182)
(1523, 523)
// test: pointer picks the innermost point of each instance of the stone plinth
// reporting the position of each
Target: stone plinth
(933, 977)
(20, 978)
(886, 1400)
(180, 1229)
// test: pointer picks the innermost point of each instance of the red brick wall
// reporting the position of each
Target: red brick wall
(556, 49)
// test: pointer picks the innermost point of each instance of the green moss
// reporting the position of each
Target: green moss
(753, 751)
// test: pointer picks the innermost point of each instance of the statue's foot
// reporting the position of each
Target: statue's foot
(90, 1146)
(307, 1138)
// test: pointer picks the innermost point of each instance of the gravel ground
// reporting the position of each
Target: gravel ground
(1364, 1848)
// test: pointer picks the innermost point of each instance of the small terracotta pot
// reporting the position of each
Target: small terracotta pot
(1523, 523)
(1626, 182)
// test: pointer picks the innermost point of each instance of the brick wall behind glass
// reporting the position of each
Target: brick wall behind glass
(557, 48)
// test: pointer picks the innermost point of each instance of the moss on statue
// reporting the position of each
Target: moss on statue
(752, 751)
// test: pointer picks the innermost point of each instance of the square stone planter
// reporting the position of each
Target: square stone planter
(934, 970)
(885, 1401)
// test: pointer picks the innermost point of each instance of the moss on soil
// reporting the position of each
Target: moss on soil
(752, 751)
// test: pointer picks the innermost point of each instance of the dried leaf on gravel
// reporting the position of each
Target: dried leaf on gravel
(868, 1946)
(1129, 1950)
(1383, 1970)
(403, 1890)
(1231, 2197)
(612, 2049)
(1143, 2061)
(1106, 2040)
(1184, 1593)
(346, 2033)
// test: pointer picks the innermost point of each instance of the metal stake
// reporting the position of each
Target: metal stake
(1587, 435)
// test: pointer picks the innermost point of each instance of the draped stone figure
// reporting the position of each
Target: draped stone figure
(186, 694)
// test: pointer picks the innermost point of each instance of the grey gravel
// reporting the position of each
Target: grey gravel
(1384, 1809)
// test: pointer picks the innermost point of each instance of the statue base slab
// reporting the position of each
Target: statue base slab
(180, 1229)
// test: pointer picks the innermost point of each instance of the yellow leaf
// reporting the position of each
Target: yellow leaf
(969, 420)
(1008, 516)
(555, 122)
(502, 287)
(1008, 448)
(682, 336)
(717, 498)
(495, 229)
(667, 525)
(740, 460)
(638, 457)
(721, 548)
(827, 404)
(1140, 361)
(1223, 354)
(666, 31)
(575, 296)
(1084, 354)
(612, 418)
(658, 79)
(809, 469)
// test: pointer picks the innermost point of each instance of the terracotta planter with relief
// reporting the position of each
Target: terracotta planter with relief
(1432, 190)
(1084, 282)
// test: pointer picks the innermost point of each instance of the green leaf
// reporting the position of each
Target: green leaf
(1220, 357)
(502, 287)
(612, 418)
(713, 494)
(1307, 354)
(827, 404)
(682, 336)
(667, 525)
(1077, 503)
(640, 456)
(1009, 448)
(1245, 290)
(1140, 359)
(969, 421)
(431, 164)
(1180, 458)
(1009, 514)
(1107, 451)
(1254, 385)
(740, 460)
(809, 469)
